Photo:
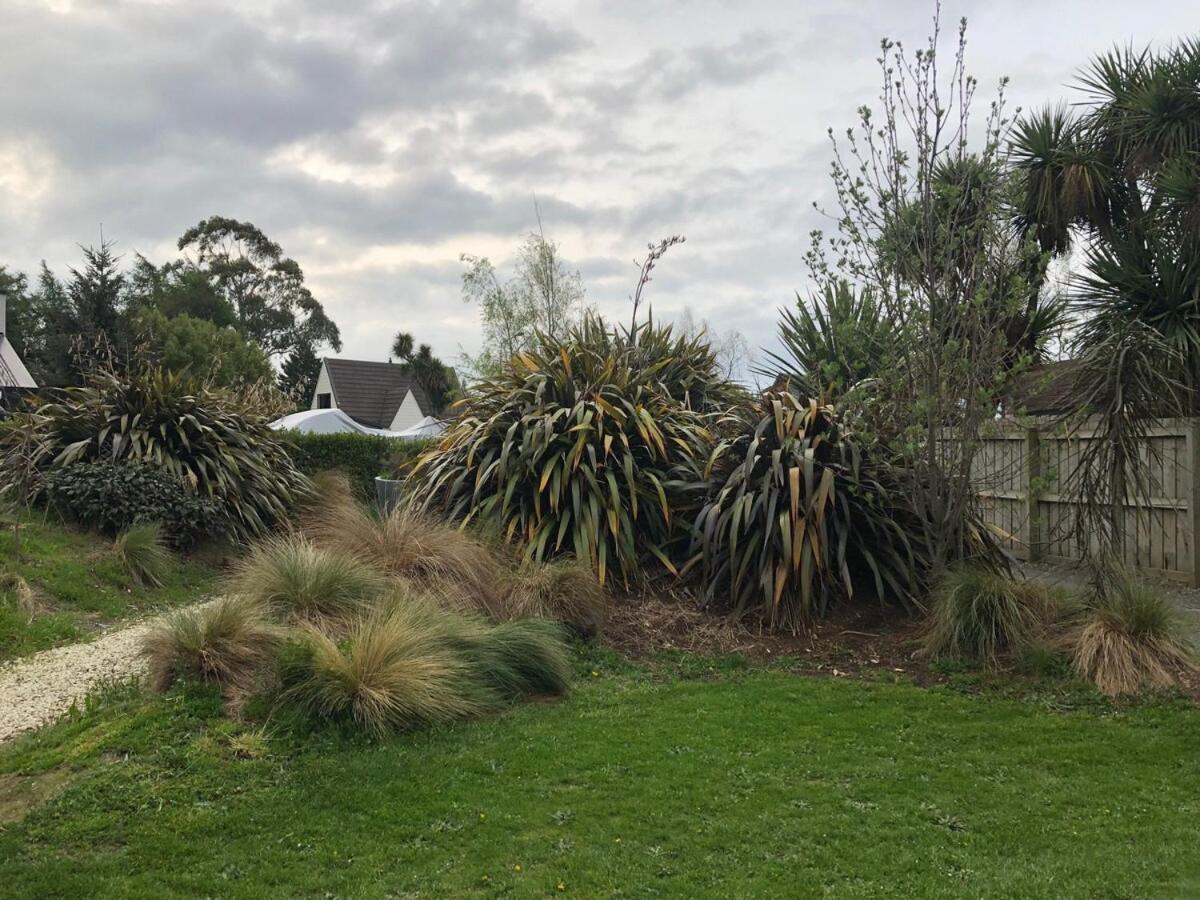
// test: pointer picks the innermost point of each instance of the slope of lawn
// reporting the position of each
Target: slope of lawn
(754, 783)
(79, 586)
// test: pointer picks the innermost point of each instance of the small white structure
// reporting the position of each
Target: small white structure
(334, 421)
(376, 395)
(13, 373)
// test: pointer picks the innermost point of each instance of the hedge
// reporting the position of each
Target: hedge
(361, 457)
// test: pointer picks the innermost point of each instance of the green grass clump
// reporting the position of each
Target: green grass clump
(228, 642)
(142, 551)
(297, 579)
(394, 671)
(978, 615)
(414, 661)
(1131, 639)
(564, 590)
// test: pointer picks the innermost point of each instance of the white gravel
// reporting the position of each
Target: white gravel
(38, 689)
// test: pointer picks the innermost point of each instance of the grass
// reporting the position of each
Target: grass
(565, 591)
(228, 642)
(142, 550)
(980, 616)
(79, 585)
(1131, 639)
(742, 782)
(291, 575)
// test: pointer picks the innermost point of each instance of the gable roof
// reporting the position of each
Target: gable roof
(1046, 389)
(371, 392)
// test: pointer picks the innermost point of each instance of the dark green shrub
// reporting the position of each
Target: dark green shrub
(110, 497)
(796, 513)
(361, 457)
(217, 443)
(590, 445)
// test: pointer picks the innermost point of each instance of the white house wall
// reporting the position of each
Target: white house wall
(408, 415)
(324, 386)
(13, 364)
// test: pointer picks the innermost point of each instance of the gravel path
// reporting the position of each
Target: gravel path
(38, 689)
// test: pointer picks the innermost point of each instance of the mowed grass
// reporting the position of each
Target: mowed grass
(747, 782)
(79, 585)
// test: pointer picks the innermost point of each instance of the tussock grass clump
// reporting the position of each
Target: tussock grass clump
(416, 546)
(1131, 639)
(297, 579)
(979, 615)
(394, 671)
(564, 591)
(142, 551)
(414, 660)
(229, 642)
(21, 595)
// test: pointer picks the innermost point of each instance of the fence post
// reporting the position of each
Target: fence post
(1193, 446)
(1033, 490)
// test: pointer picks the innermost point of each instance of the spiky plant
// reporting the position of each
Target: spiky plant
(589, 445)
(142, 551)
(796, 514)
(229, 642)
(980, 615)
(1131, 638)
(563, 591)
(218, 443)
(295, 578)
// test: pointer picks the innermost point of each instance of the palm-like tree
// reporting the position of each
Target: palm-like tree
(402, 346)
(1120, 181)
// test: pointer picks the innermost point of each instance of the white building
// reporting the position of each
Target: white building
(374, 394)
(13, 373)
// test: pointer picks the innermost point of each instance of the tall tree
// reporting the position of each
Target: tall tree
(175, 289)
(219, 355)
(299, 374)
(266, 289)
(543, 295)
(935, 253)
(1117, 179)
(96, 291)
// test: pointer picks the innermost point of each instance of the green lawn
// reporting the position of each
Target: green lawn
(746, 782)
(80, 587)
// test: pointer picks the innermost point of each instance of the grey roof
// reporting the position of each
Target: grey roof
(371, 392)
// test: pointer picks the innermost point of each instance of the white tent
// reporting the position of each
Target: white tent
(334, 421)
(428, 427)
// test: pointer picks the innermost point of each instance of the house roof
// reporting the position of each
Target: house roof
(371, 392)
(1044, 390)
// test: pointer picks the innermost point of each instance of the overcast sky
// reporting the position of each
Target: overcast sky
(378, 141)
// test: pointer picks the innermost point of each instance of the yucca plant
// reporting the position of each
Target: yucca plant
(297, 579)
(796, 515)
(1131, 638)
(590, 445)
(229, 642)
(143, 553)
(214, 441)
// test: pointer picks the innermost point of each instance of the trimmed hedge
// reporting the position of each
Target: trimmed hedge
(361, 457)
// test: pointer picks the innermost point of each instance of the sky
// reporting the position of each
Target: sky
(378, 141)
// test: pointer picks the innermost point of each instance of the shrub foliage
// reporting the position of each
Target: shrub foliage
(795, 511)
(112, 496)
(588, 445)
(361, 457)
(217, 444)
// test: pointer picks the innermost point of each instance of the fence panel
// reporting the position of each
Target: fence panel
(1021, 473)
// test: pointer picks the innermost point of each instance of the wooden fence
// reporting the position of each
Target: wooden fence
(1021, 472)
